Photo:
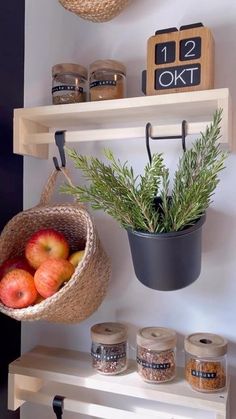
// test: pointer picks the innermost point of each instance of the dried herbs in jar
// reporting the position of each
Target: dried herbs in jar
(156, 354)
(109, 348)
(206, 363)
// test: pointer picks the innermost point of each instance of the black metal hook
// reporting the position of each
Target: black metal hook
(58, 405)
(184, 124)
(60, 142)
(148, 135)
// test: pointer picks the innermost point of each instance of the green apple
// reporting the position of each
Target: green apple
(76, 257)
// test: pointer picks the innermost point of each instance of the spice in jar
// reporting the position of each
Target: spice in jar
(156, 354)
(107, 80)
(206, 364)
(69, 83)
(109, 348)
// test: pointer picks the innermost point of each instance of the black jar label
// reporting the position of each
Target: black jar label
(101, 83)
(107, 355)
(153, 365)
(203, 374)
(67, 88)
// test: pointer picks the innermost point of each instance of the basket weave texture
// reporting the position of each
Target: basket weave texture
(86, 289)
(95, 10)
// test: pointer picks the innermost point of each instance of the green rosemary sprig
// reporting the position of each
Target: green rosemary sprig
(115, 189)
(131, 199)
(196, 177)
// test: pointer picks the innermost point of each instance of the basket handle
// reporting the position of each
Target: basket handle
(49, 186)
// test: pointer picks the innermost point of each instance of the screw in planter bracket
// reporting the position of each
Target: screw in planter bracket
(58, 406)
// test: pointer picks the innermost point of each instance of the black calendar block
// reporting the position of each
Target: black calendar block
(176, 77)
(190, 49)
(165, 52)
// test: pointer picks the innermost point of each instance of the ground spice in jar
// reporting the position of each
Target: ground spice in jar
(107, 80)
(156, 354)
(69, 97)
(205, 366)
(109, 348)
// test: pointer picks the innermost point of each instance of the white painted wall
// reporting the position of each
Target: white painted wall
(54, 35)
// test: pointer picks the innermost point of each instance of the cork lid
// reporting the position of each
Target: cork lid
(69, 68)
(107, 65)
(109, 333)
(156, 338)
(205, 344)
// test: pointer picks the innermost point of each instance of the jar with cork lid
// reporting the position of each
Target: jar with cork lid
(68, 83)
(109, 348)
(107, 80)
(156, 354)
(206, 362)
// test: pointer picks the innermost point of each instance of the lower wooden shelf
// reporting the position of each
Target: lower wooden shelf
(40, 374)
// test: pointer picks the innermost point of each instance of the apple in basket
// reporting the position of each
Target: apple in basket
(51, 276)
(18, 262)
(17, 289)
(76, 257)
(46, 243)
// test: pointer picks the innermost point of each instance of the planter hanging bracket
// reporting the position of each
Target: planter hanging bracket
(171, 137)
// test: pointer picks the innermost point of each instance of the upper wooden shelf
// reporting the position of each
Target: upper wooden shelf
(118, 119)
(39, 375)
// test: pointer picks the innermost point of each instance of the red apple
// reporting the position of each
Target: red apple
(39, 299)
(18, 262)
(51, 275)
(44, 244)
(76, 257)
(17, 289)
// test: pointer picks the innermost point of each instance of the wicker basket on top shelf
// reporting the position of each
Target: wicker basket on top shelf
(95, 10)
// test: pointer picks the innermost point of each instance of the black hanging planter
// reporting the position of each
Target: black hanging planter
(167, 261)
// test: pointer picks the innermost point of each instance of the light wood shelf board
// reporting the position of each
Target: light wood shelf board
(116, 119)
(74, 368)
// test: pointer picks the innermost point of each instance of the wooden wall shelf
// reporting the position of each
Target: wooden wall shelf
(118, 119)
(39, 375)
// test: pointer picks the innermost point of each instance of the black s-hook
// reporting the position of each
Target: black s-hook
(58, 405)
(60, 142)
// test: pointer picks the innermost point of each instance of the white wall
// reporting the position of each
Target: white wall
(54, 35)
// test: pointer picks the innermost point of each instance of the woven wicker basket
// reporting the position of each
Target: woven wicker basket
(95, 10)
(86, 289)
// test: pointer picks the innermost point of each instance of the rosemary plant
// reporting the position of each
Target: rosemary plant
(132, 200)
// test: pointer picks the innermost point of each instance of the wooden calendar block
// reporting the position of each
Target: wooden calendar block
(180, 60)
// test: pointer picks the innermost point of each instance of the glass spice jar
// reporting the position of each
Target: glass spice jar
(68, 83)
(109, 348)
(206, 362)
(107, 80)
(156, 354)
